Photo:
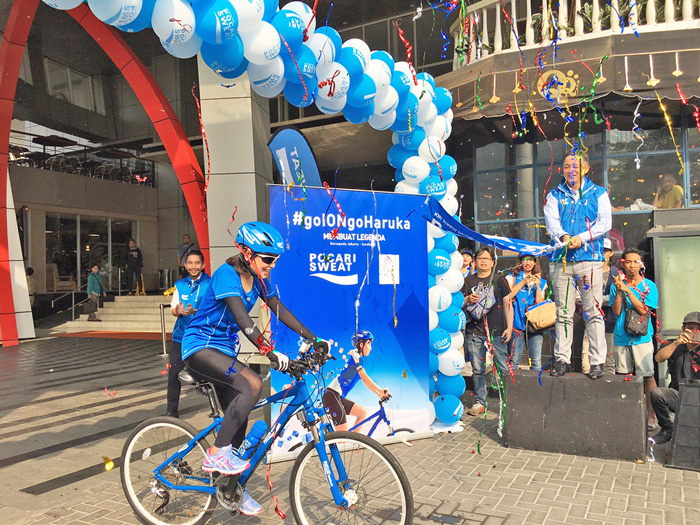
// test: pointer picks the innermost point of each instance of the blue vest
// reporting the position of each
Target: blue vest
(573, 215)
(190, 293)
(524, 299)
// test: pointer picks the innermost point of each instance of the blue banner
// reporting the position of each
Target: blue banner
(295, 160)
(434, 213)
(369, 274)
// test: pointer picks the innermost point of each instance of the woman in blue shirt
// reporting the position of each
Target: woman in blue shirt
(527, 289)
(210, 344)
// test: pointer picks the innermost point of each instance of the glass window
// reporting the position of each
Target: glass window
(376, 35)
(694, 178)
(629, 184)
(25, 71)
(61, 261)
(121, 233)
(629, 231)
(57, 80)
(654, 130)
(94, 243)
(347, 34)
(519, 230)
(505, 195)
(398, 48)
(430, 42)
(81, 90)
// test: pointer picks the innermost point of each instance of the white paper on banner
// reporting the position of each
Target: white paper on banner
(389, 269)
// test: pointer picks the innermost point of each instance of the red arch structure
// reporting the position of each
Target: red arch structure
(149, 94)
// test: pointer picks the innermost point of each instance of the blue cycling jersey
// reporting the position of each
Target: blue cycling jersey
(349, 376)
(189, 293)
(214, 326)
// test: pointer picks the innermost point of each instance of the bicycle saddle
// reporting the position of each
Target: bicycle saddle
(187, 378)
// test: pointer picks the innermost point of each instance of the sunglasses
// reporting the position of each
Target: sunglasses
(268, 259)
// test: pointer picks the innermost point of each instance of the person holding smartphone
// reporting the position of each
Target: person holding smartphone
(683, 356)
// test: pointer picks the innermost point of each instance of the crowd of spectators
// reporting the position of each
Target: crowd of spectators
(616, 303)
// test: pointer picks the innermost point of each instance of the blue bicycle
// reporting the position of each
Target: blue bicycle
(340, 477)
(382, 417)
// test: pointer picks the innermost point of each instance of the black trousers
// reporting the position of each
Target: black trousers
(134, 276)
(237, 387)
(664, 401)
(174, 385)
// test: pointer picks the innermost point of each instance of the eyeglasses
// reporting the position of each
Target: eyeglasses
(484, 259)
(527, 259)
(632, 262)
(268, 259)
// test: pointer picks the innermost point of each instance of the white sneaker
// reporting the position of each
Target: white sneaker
(249, 507)
(476, 410)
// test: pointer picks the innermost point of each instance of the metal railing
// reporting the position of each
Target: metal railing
(81, 288)
(537, 22)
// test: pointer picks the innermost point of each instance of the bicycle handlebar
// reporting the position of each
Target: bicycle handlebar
(311, 355)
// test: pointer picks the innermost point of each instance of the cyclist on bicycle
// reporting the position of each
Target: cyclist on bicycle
(211, 342)
(335, 398)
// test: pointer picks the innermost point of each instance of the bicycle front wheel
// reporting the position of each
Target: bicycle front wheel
(148, 446)
(376, 486)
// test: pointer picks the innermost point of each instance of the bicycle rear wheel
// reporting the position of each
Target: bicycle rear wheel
(377, 485)
(148, 446)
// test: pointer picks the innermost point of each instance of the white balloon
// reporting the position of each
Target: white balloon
(360, 49)
(451, 362)
(441, 128)
(431, 243)
(63, 5)
(323, 49)
(386, 101)
(271, 91)
(340, 84)
(457, 341)
(332, 106)
(115, 12)
(449, 115)
(432, 320)
(395, 139)
(452, 187)
(379, 71)
(305, 13)
(452, 279)
(439, 298)
(262, 46)
(426, 117)
(186, 49)
(406, 69)
(266, 77)
(415, 169)
(450, 204)
(382, 122)
(435, 231)
(431, 149)
(406, 187)
(250, 14)
(173, 21)
(457, 259)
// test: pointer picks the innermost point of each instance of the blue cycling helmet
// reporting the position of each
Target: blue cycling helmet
(362, 335)
(260, 237)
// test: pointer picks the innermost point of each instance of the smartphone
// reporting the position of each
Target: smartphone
(695, 337)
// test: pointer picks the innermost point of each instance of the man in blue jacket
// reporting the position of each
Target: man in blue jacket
(188, 294)
(578, 215)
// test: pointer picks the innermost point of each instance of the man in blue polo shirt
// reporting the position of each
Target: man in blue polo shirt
(187, 297)
(578, 214)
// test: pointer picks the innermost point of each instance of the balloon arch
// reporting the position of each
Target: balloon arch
(283, 51)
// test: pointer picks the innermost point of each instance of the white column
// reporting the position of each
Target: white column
(634, 14)
(595, 17)
(497, 37)
(614, 19)
(513, 30)
(472, 43)
(578, 19)
(651, 13)
(484, 33)
(563, 18)
(545, 21)
(687, 10)
(529, 30)
(669, 11)
(237, 123)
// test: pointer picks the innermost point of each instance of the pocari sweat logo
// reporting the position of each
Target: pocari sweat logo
(334, 268)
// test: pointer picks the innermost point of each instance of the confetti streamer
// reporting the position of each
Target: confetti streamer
(684, 100)
(409, 50)
(622, 20)
(633, 17)
(109, 464)
(637, 131)
(478, 91)
(539, 376)
(670, 129)
(306, 91)
(334, 231)
(111, 394)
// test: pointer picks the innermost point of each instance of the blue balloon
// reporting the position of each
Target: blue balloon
(302, 61)
(401, 83)
(413, 139)
(449, 243)
(357, 115)
(458, 298)
(439, 340)
(448, 167)
(451, 385)
(433, 365)
(452, 319)
(242, 68)
(439, 262)
(397, 155)
(384, 57)
(217, 21)
(271, 8)
(443, 100)
(448, 409)
(142, 21)
(291, 27)
(437, 188)
(223, 58)
(295, 93)
(401, 126)
(407, 108)
(352, 61)
(362, 91)
(334, 36)
(399, 176)
(430, 79)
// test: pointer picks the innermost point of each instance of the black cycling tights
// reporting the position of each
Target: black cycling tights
(237, 393)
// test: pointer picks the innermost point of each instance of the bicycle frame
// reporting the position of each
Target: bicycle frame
(313, 415)
(380, 415)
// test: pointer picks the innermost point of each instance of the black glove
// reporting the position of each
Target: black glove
(321, 346)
